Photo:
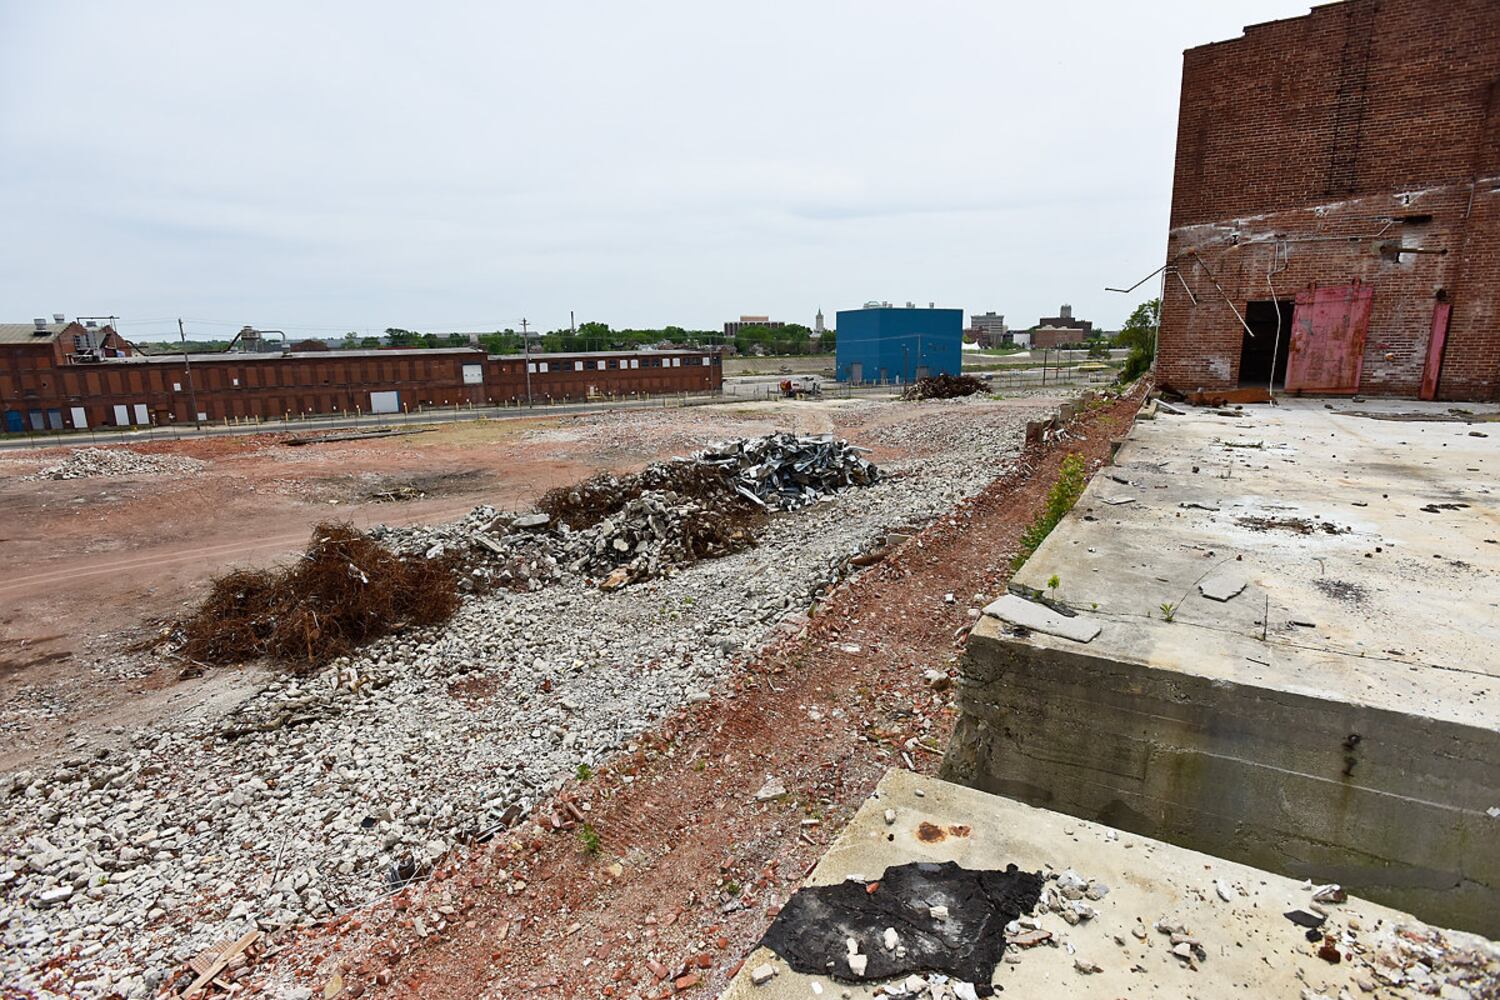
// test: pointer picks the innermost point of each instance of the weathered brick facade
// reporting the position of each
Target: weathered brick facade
(39, 393)
(1356, 146)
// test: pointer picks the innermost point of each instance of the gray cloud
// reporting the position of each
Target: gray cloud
(360, 165)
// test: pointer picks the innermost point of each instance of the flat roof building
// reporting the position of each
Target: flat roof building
(732, 328)
(888, 344)
(62, 378)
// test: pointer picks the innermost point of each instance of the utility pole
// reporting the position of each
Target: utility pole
(192, 395)
(526, 348)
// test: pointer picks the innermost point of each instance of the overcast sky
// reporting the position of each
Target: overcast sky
(441, 166)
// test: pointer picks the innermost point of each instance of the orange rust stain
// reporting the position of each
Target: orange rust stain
(959, 830)
(930, 833)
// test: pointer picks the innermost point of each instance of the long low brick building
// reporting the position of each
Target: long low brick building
(45, 384)
(1335, 223)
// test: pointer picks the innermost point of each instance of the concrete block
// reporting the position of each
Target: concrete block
(1338, 720)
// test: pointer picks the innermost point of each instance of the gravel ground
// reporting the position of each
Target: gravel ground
(312, 794)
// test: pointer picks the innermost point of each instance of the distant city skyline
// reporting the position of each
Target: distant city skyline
(377, 166)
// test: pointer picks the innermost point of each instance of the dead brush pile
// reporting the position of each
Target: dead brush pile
(346, 590)
(944, 387)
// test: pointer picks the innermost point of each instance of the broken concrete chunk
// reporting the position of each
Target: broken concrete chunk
(1222, 587)
(772, 789)
(1040, 618)
(761, 974)
(857, 964)
(1031, 938)
(481, 539)
(1331, 893)
(527, 522)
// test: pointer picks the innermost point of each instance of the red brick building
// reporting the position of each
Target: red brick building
(1335, 222)
(43, 389)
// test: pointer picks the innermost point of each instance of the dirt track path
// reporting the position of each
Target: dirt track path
(689, 867)
(219, 556)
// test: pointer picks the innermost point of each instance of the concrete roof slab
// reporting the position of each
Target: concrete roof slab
(1235, 912)
(1367, 535)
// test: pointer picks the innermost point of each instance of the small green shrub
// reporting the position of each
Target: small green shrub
(585, 772)
(1071, 479)
(588, 839)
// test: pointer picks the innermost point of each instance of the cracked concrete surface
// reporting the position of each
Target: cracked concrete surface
(1338, 718)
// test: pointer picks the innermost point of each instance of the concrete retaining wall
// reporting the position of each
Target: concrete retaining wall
(1391, 805)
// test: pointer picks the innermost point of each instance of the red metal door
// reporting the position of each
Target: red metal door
(1434, 366)
(1328, 339)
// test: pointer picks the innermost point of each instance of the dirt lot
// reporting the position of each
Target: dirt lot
(684, 696)
(90, 563)
(687, 857)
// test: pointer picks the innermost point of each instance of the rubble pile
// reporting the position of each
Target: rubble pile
(1423, 960)
(787, 472)
(198, 828)
(944, 387)
(616, 530)
(91, 463)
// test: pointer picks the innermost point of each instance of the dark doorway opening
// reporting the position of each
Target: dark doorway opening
(1260, 352)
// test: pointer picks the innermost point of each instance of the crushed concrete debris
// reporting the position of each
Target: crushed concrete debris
(616, 531)
(91, 463)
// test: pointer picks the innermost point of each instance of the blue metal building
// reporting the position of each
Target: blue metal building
(888, 344)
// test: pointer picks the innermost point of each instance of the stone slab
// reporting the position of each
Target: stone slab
(1040, 618)
(1223, 587)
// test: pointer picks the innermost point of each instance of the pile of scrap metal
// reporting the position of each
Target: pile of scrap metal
(789, 471)
(944, 387)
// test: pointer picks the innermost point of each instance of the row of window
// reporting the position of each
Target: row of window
(543, 367)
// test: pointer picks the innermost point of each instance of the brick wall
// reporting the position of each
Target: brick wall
(1045, 337)
(1309, 143)
(271, 386)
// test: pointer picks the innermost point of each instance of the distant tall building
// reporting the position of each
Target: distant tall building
(732, 328)
(1064, 321)
(818, 323)
(989, 329)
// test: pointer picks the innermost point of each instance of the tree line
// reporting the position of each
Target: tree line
(593, 336)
